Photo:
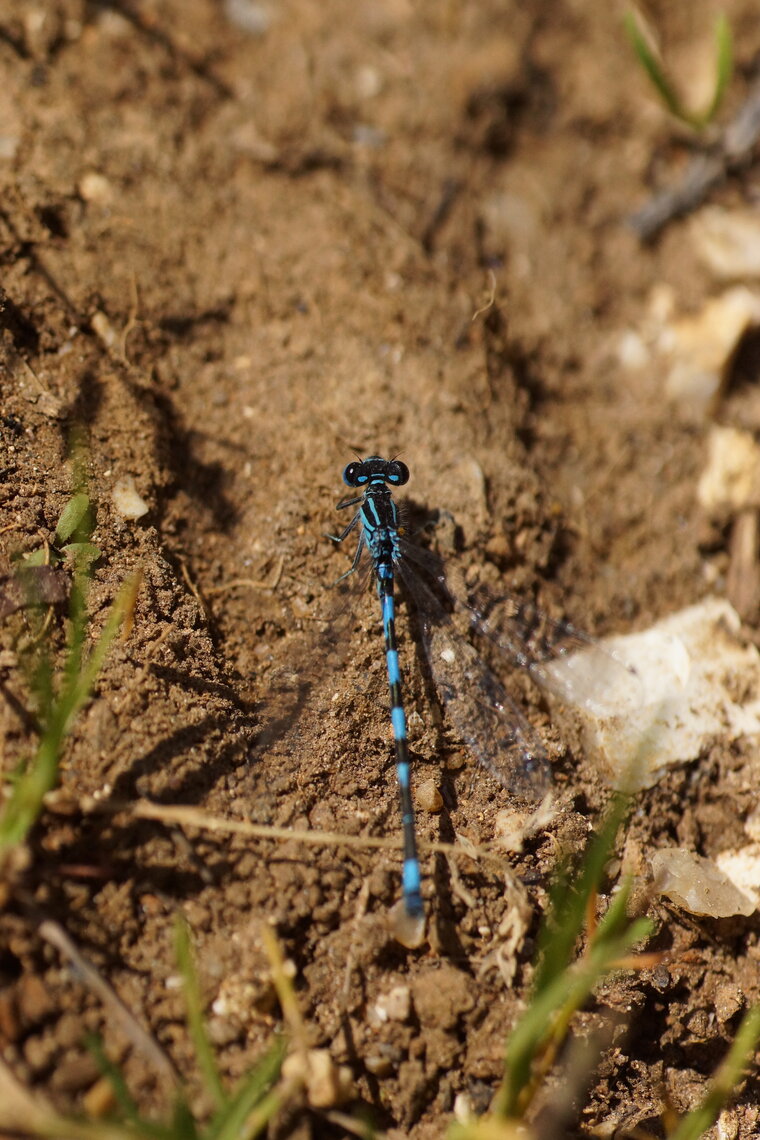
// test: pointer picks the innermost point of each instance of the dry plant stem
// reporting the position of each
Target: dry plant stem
(203, 821)
(18, 1105)
(743, 578)
(131, 590)
(23, 1115)
(284, 987)
(53, 933)
(251, 583)
(733, 151)
(353, 1127)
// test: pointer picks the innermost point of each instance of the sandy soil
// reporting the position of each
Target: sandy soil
(233, 256)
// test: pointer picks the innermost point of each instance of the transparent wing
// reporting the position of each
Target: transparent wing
(561, 659)
(482, 714)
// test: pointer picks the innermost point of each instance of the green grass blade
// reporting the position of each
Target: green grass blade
(723, 1084)
(549, 1013)
(25, 803)
(234, 1122)
(41, 684)
(195, 1019)
(724, 52)
(651, 66)
(123, 1097)
(135, 1125)
(81, 687)
(183, 1125)
(569, 898)
(562, 985)
(697, 120)
(74, 518)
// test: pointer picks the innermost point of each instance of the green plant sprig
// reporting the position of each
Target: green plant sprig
(563, 984)
(724, 1082)
(239, 1115)
(724, 65)
(60, 698)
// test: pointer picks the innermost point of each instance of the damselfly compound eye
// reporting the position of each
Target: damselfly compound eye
(352, 474)
(398, 473)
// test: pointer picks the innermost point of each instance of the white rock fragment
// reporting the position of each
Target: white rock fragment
(698, 885)
(752, 824)
(731, 479)
(251, 17)
(728, 241)
(463, 1113)
(327, 1084)
(396, 1005)
(633, 351)
(127, 500)
(103, 329)
(94, 187)
(368, 82)
(742, 867)
(701, 348)
(510, 828)
(685, 698)
(9, 145)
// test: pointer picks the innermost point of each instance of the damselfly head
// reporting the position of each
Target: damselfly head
(392, 471)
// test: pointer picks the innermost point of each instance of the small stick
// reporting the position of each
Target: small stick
(743, 577)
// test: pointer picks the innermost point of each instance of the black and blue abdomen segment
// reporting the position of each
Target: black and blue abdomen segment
(380, 534)
(411, 870)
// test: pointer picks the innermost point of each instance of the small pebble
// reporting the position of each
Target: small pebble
(396, 1005)
(34, 1001)
(223, 1031)
(463, 1108)
(10, 1027)
(39, 1052)
(255, 19)
(127, 501)
(103, 329)
(327, 1084)
(728, 241)
(702, 347)
(728, 1001)
(9, 144)
(632, 350)
(731, 477)
(428, 796)
(75, 1073)
(100, 1100)
(69, 1031)
(94, 187)
(378, 1066)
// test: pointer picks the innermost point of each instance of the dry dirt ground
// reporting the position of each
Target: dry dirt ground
(233, 255)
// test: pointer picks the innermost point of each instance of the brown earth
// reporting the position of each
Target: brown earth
(232, 257)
